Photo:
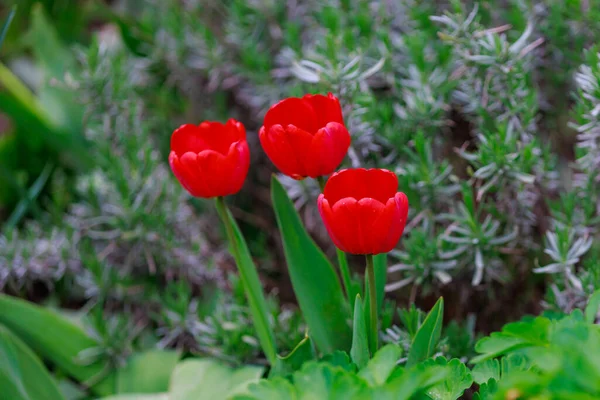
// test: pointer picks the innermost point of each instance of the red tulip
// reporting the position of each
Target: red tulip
(210, 159)
(305, 136)
(362, 211)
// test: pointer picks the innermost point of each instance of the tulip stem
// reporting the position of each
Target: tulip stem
(341, 256)
(321, 181)
(373, 336)
(250, 281)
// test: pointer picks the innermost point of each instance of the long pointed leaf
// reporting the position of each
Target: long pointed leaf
(55, 339)
(360, 345)
(314, 279)
(428, 335)
(22, 375)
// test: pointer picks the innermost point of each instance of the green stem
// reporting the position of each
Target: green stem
(321, 181)
(250, 282)
(341, 256)
(373, 334)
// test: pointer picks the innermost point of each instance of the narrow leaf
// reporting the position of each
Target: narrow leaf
(22, 375)
(314, 279)
(428, 335)
(251, 283)
(55, 339)
(360, 344)
(6, 25)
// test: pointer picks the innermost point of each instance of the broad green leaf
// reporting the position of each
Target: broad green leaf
(302, 353)
(273, 389)
(55, 339)
(314, 279)
(456, 382)
(517, 335)
(360, 344)
(593, 307)
(428, 335)
(139, 396)
(251, 283)
(487, 390)
(405, 384)
(148, 372)
(495, 345)
(339, 359)
(205, 379)
(379, 369)
(323, 381)
(22, 375)
(486, 370)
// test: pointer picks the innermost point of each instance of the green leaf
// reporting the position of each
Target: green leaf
(22, 375)
(428, 335)
(314, 279)
(146, 396)
(148, 372)
(404, 384)
(379, 369)
(59, 102)
(360, 344)
(302, 353)
(487, 391)
(323, 381)
(205, 379)
(456, 382)
(339, 359)
(592, 308)
(380, 266)
(273, 389)
(517, 335)
(484, 371)
(29, 198)
(6, 25)
(250, 281)
(55, 339)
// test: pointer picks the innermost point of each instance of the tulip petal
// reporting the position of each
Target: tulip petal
(275, 143)
(207, 136)
(378, 184)
(329, 147)
(326, 108)
(191, 176)
(187, 138)
(292, 111)
(328, 218)
(370, 211)
(236, 166)
(346, 225)
(396, 213)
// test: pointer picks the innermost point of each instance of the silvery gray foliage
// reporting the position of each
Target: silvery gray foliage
(31, 255)
(565, 251)
(495, 73)
(588, 124)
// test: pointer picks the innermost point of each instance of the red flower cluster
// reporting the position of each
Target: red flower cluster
(303, 137)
